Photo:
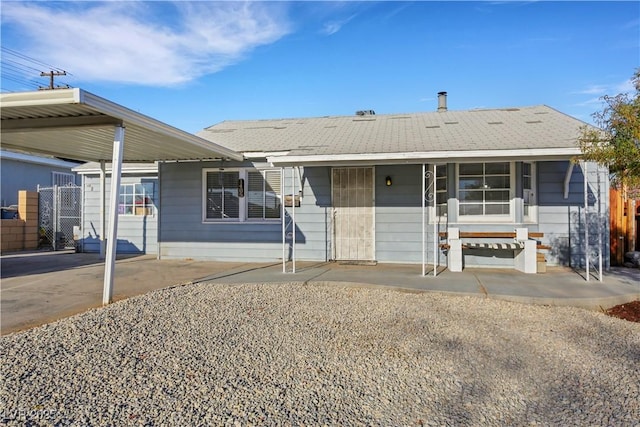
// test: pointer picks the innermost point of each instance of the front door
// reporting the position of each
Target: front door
(353, 219)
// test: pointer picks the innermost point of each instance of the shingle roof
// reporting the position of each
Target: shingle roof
(536, 127)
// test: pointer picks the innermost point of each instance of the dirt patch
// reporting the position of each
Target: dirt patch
(629, 311)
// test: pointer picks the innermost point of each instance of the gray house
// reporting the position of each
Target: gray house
(389, 188)
(22, 171)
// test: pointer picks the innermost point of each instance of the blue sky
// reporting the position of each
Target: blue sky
(194, 64)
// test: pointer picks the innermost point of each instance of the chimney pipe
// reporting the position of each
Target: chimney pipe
(442, 101)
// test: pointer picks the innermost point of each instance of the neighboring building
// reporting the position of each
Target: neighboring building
(355, 186)
(138, 208)
(27, 172)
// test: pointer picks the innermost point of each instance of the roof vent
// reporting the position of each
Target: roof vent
(442, 101)
(365, 113)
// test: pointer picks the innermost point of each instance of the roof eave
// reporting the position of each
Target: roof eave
(420, 157)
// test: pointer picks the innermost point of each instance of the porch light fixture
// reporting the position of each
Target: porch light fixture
(388, 181)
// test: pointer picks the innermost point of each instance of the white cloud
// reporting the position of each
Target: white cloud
(333, 27)
(148, 43)
(600, 90)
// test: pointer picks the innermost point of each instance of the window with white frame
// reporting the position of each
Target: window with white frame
(241, 195)
(136, 199)
(484, 189)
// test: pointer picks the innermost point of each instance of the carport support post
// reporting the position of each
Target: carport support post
(112, 238)
(103, 217)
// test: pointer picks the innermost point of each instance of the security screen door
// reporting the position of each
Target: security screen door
(353, 234)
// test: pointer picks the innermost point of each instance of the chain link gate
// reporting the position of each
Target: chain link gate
(59, 215)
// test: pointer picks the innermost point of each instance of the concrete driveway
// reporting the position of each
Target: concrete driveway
(41, 287)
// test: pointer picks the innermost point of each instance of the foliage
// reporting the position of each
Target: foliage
(616, 141)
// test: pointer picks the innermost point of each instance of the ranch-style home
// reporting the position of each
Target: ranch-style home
(482, 188)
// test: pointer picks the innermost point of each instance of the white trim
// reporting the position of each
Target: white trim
(38, 160)
(92, 168)
(567, 179)
(448, 156)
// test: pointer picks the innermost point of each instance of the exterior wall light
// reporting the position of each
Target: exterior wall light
(388, 181)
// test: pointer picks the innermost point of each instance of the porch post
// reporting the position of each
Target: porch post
(293, 218)
(435, 223)
(586, 220)
(283, 194)
(112, 238)
(424, 273)
(599, 226)
(103, 219)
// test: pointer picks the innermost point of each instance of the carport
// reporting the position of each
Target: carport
(75, 124)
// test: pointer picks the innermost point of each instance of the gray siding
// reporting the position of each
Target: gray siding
(17, 175)
(562, 220)
(136, 234)
(399, 216)
(398, 219)
(184, 235)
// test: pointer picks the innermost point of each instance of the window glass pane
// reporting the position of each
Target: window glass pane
(526, 182)
(466, 196)
(467, 183)
(526, 168)
(441, 198)
(255, 198)
(441, 171)
(497, 209)
(222, 195)
(497, 168)
(497, 195)
(272, 194)
(471, 169)
(497, 181)
(470, 209)
(441, 184)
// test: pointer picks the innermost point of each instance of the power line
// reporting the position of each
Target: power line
(30, 59)
(20, 68)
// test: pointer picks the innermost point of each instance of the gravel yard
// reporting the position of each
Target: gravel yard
(299, 354)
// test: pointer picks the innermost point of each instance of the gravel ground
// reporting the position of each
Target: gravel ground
(294, 354)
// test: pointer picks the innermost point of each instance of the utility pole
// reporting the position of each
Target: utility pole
(51, 74)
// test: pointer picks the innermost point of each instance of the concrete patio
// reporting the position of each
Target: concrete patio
(42, 287)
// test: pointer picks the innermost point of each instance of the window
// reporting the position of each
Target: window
(136, 199)
(63, 179)
(484, 188)
(242, 195)
(528, 190)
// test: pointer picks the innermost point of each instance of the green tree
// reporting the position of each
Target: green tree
(615, 142)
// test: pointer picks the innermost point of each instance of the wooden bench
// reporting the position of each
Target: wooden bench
(524, 243)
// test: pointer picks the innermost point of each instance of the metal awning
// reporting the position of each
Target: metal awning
(75, 124)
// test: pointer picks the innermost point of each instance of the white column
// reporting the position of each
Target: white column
(284, 220)
(435, 224)
(293, 218)
(599, 226)
(112, 238)
(103, 217)
(424, 273)
(586, 219)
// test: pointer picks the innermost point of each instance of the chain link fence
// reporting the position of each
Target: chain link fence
(59, 216)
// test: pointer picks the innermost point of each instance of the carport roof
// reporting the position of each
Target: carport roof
(76, 124)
